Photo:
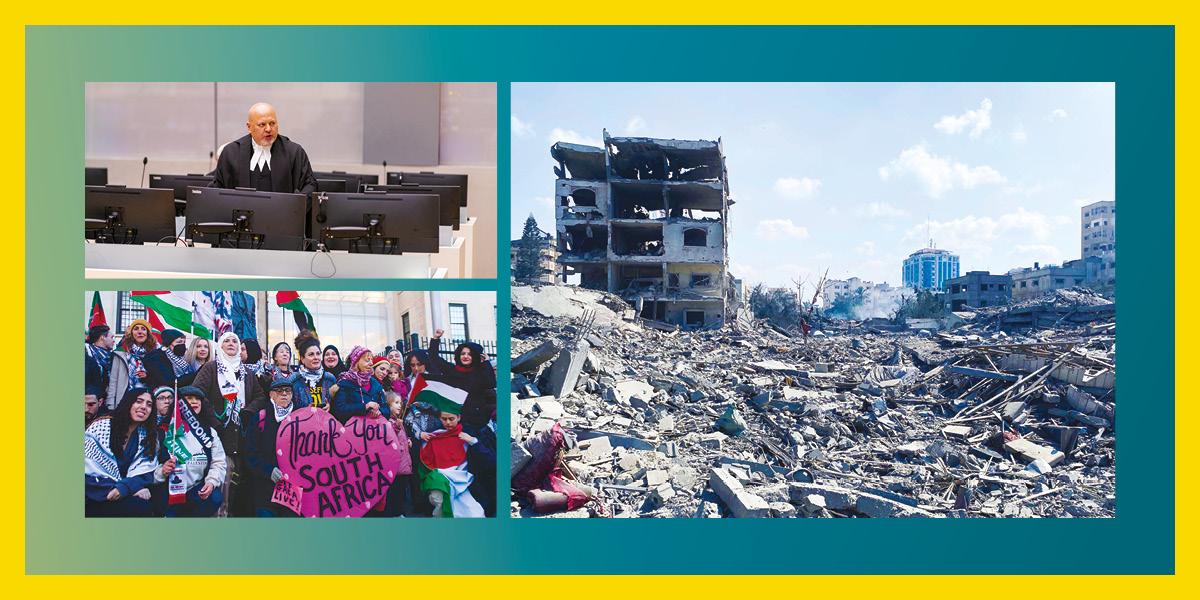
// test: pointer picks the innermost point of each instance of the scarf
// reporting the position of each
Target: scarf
(179, 364)
(312, 377)
(133, 358)
(282, 413)
(363, 378)
(99, 460)
(278, 373)
(102, 356)
(231, 379)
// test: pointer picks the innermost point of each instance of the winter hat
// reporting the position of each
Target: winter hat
(191, 390)
(160, 389)
(170, 335)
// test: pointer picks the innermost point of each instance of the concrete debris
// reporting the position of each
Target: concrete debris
(989, 419)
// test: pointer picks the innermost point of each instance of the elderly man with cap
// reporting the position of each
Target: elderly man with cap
(261, 459)
(192, 459)
(263, 159)
(165, 365)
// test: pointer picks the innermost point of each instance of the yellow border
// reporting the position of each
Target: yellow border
(613, 12)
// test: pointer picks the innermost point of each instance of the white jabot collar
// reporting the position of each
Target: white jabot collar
(262, 155)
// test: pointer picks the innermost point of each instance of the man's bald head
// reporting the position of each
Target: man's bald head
(261, 123)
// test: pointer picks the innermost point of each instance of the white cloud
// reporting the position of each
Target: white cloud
(823, 256)
(1018, 134)
(796, 189)
(974, 238)
(1021, 188)
(879, 209)
(635, 125)
(1056, 115)
(779, 229)
(520, 128)
(571, 136)
(977, 120)
(866, 249)
(939, 174)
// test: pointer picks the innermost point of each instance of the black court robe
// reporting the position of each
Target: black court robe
(290, 170)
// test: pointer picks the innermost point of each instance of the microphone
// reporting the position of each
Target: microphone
(145, 159)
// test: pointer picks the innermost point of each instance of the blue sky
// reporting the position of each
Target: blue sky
(845, 175)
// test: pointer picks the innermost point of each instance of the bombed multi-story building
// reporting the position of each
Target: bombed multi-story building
(647, 219)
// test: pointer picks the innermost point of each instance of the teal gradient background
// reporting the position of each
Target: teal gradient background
(1140, 540)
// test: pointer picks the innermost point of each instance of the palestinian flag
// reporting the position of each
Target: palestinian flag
(440, 392)
(97, 311)
(292, 302)
(156, 325)
(177, 310)
(443, 467)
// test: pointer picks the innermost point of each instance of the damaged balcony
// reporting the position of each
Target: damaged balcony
(586, 242)
(577, 161)
(638, 201)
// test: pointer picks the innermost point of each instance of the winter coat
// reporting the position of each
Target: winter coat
(351, 400)
(118, 380)
(160, 371)
(480, 383)
(208, 382)
(301, 395)
(261, 460)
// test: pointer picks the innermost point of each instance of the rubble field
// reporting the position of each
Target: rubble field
(1011, 413)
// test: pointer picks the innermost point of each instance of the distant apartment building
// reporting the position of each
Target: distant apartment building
(547, 257)
(1098, 236)
(929, 268)
(1029, 283)
(978, 289)
(837, 288)
(647, 219)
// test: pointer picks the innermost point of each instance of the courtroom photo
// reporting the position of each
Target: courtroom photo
(290, 180)
(276, 404)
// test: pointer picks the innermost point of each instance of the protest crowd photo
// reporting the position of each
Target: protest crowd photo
(184, 417)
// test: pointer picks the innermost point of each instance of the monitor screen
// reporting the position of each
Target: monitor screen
(448, 207)
(377, 223)
(95, 176)
(428, 178)
(179, 183)
(122, 215)
(246, 219)
(332, 185)
(354, 181)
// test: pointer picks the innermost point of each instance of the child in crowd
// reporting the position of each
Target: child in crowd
(443, 467)
(398, 504)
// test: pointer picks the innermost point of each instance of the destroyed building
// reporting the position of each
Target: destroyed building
(1012, 413)
(647, 219)
(1098, 236)
(977, 289)
(1041, 279)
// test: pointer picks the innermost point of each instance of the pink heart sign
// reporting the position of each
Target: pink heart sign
(342, 470)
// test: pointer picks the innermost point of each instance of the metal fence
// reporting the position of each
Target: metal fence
(445, 348)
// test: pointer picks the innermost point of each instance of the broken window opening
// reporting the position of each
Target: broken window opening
(673, 280)
(701, 280)
(695, 237)
(585, 241)
(638, 240)
(638, 201)
(694, 318)
(583, 197)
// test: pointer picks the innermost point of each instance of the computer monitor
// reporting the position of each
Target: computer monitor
(180, 183)
(377, 223)
(332, 185)
(95, 176)
(241, 218)
(120, 215)
(449, 194)
(354, 181)
(430, 178)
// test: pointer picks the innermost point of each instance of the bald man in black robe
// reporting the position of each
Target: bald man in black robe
(263, 159)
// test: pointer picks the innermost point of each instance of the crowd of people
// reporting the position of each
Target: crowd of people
(235, 399)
